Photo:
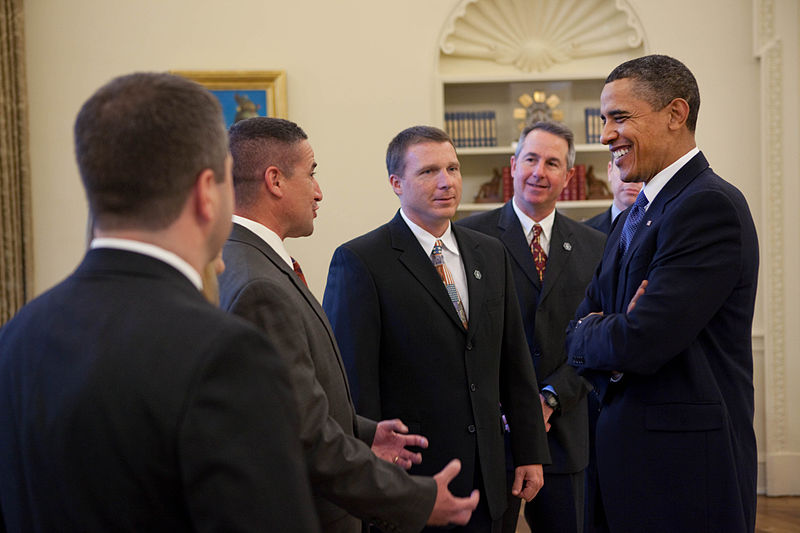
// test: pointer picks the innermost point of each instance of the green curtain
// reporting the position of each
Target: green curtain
(15, 198)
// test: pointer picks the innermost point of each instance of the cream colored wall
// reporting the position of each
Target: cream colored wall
(358, 72)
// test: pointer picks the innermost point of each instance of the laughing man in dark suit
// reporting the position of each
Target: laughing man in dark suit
(541, 167)
(439, 346)
(665, 329)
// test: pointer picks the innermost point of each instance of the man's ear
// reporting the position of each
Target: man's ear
(206, 194)
(274, 180)
(397, 184)
(570, 174)
(678, 113)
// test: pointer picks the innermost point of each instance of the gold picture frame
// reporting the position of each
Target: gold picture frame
(244, 93)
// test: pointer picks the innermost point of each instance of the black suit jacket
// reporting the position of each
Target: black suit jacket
(408, 355)
(129, 403)
(547, 308)
(601, 222)
(259, 286)
(676, 449)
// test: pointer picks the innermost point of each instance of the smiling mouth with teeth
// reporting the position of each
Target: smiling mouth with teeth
(619, 153)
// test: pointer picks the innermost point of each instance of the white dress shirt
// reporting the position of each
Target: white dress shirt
(266, 235)
(527, 227)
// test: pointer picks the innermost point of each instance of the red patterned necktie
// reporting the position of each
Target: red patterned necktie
(299, 271)
(539, 257)
(447, 278)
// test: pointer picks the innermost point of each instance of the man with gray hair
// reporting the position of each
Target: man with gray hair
(553, 258)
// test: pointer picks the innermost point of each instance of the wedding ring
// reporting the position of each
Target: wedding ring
(396, 458)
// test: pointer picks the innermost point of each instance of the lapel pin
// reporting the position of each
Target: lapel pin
(567, 246)
(477, 274)
(649, 222)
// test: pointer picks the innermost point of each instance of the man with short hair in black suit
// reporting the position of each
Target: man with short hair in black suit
(127, 401)
(429, 326)
(549, 292)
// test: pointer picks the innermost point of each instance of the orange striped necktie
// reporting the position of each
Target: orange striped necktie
(299, 271)
(447, 278)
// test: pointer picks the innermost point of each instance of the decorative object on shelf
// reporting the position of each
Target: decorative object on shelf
(594, 126)
(490, 192)
(534, 35)
(470, 129)
(596, 188)
(244, 94)
(537, 108)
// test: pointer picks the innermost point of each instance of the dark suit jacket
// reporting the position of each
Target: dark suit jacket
(347, 477)
(575, 252)
(601, 222)
(408, 355)
(676, 449)
(129, 403)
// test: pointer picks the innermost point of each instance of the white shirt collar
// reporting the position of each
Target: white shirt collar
(427, 240)
(527, 223)
(654, 186)
(267, 235)
(151, 250)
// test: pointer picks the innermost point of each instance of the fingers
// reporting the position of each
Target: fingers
(396, 425)
(639, 292)
(516, 487)
(467, 506)
(449, 472)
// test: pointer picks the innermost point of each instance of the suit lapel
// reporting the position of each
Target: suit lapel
(474, 262)
(517, 245)
(560, 252)
(416, 261)
(671, 190)
(245, 236)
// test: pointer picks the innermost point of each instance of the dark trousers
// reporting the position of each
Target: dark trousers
(558, 508)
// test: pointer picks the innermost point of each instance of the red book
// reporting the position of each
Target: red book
(580, 176)
(508, 184)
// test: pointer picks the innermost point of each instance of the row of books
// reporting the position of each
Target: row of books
(576, 188)
(470, 129)
(594, 126)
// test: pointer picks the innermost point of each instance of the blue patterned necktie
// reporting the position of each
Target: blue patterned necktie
(447, 279)
(632, 222)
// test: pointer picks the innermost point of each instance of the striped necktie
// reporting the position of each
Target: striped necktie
(299, 271)
(539, 257)
(447, 279)
(635, 217)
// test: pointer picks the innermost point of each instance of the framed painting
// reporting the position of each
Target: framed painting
(244, 94)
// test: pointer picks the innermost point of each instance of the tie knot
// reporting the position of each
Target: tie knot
(537, 231)
(437, 247)
(641, 200)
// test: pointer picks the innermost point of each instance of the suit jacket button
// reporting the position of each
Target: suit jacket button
(473, 387)
(469, 346)
(471, 428)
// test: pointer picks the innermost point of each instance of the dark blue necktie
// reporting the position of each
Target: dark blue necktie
(632, 222)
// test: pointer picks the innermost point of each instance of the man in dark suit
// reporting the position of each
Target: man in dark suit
(624, 196)
(665, 329)
(129, 403)
(549, 294)
(277, 197)
(439, 346)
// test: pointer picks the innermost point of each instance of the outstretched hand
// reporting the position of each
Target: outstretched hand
(391, 439)
(448, 509)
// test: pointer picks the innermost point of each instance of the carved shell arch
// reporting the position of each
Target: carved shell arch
(534, 35)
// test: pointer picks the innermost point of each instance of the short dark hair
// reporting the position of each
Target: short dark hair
(396, 152)
(141, 141)
(256, 144)
(556, 128)
(659, 80)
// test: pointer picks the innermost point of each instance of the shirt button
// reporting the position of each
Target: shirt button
(471, 428)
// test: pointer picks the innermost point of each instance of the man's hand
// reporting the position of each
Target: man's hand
(547, 412)
(448, 509)
(639, 292)
(528, 479)
(391, 439)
